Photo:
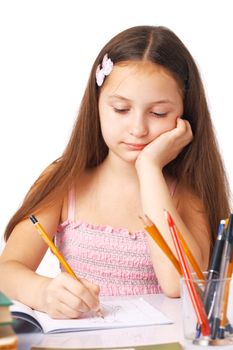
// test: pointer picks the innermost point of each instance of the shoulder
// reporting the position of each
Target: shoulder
(76, 190)
(183, 196)
(186, 197)
(194, 215)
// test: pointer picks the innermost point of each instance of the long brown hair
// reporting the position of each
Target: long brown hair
(199, 165)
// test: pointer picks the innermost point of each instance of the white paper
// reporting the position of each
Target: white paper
(117, 313)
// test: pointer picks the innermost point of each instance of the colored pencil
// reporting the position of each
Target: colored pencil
(194, 296)
(158, 238)
(191, 258)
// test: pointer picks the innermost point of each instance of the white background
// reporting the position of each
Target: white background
(47, 48)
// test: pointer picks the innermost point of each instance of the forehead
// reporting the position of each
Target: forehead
(133, 78)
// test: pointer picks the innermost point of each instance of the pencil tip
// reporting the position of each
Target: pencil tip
(145, 219)
(168, 217)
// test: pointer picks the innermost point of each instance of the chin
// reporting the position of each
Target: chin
(126, 157)
(130, 160)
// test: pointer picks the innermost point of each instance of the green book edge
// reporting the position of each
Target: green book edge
(165, 346)
(4, 301)
(8, 323)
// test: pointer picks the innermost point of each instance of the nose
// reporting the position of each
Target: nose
(138, 126)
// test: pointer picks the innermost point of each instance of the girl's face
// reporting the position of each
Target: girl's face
(138, 102)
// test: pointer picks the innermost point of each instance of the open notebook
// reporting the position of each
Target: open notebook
(117, 313)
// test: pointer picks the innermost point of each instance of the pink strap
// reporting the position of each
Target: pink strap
(71, 204)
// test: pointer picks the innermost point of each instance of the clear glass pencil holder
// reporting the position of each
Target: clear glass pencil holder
(216, 298)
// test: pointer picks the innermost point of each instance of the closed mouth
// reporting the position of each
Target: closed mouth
(136, 146)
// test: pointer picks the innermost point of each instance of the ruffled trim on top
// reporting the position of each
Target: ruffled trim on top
(108, 257)
(99, 228)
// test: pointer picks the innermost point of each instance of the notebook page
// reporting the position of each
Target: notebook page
(117, 313)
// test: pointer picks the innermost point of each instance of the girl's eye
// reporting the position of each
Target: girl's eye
(120, 110)
(159, 115)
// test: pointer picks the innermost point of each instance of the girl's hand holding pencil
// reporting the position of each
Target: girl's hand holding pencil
(66, 297)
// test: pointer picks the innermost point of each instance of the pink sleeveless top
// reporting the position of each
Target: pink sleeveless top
(115, 259)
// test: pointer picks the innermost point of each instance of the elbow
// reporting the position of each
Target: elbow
(172, 292)
(171, 286)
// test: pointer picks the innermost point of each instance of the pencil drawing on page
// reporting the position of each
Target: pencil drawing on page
(111, 314)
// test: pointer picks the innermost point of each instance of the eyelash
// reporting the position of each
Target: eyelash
(117, 110)
(159, 115)
(122, 111)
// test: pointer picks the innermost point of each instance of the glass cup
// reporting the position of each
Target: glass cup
(216, 297)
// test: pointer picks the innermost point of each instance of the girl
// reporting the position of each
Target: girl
(143, 141)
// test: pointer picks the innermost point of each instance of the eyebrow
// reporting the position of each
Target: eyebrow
(128, 100)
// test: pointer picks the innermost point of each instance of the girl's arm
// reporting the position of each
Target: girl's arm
(189, 215)
(60, 297)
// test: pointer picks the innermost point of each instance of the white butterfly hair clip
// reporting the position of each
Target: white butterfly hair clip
(103, 70)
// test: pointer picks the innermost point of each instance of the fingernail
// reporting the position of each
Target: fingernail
(99, 313)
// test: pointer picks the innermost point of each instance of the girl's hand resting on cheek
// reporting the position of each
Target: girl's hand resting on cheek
(65, 297)
(167, 146)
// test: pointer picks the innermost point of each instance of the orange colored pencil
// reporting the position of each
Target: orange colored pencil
(194, 296)
(52, 246)
(158, 238)
(191, 258)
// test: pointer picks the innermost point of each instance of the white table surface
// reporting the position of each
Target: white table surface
(122, 337)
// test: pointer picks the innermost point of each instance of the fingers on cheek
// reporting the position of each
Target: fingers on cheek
(186, 131)
(185, 126)
(189, 132)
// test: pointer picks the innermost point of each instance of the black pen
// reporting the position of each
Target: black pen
(213, 273)
(215, 261)
(214, 268)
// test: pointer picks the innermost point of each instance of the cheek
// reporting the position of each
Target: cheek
(108, 131)
(163, 125)
(111, 126)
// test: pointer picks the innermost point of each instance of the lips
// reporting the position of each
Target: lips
(135, 146)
